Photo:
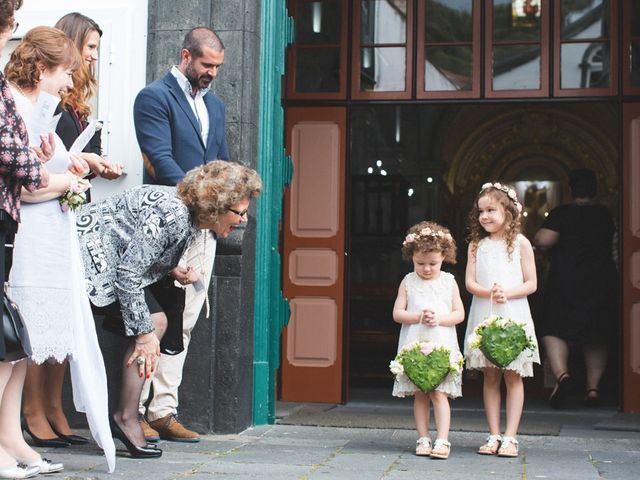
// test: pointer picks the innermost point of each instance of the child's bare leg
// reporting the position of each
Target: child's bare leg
(442, 414)
(421, 413)
(515, 402)
(491, 397)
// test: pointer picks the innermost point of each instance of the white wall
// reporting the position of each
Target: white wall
(121, 73)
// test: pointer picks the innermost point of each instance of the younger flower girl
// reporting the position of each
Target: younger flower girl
(429, 307)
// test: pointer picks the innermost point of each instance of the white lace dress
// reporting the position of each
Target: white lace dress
(435, 294)
(493, 265)
(47, 283)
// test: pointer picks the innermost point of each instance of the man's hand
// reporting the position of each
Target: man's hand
(184, 276)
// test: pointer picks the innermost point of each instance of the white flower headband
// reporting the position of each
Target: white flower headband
(427, 232)
(511, 193)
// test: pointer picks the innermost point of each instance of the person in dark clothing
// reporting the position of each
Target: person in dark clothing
(581, 293)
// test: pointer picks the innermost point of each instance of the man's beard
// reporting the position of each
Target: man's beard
(196, 81)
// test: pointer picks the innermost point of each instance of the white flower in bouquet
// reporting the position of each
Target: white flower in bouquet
(76, 195)
(396, 368)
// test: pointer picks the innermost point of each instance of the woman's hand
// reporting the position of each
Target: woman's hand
(78, 166)
(147, 347)
(101, 166)
(47, 148)
(184, 276)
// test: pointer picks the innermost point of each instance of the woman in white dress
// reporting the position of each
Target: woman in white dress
(47, 277)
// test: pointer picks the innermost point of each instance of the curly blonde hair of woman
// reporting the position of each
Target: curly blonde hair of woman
(41, 47)
(429, 237)
(512, 225)
(209, 190)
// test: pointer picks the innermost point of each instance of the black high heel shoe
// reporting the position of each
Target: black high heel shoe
(148, 451)
(43, 442)
(73, 439)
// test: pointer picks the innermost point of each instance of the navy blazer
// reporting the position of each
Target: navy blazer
(169, 135)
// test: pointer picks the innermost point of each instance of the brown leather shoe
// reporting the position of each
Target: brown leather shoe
(169, 428)
(150, 435)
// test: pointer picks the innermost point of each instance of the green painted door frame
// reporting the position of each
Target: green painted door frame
(271, 310)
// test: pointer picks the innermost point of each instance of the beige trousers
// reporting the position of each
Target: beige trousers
(168, 374)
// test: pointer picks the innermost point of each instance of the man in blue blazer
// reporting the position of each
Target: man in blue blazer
(180, 125)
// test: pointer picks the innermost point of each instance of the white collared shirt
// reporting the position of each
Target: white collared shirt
(197, 103)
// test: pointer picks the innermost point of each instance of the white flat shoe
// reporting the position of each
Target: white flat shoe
(19, 470)
(44, 465)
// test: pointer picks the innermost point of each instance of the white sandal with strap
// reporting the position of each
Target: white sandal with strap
(509, 447)
(423, 447)
(441, 449)
(491, 446)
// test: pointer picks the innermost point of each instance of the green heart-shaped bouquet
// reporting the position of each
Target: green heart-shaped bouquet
(426, 364)
(501, 340)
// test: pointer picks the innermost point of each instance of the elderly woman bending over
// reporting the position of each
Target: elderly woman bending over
(134, 239)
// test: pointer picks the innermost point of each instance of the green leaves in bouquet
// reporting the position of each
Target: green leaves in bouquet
(502, 345)
(426, 372)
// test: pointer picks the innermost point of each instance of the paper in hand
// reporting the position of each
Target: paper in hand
(43, 122)
(84, 137)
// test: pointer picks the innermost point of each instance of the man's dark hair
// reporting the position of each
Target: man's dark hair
(199, 37)
(7, 12)
(583, 183)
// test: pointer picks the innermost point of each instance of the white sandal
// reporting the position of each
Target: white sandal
(506, 449)
(441, 449)
(491, 446)
(423, 447)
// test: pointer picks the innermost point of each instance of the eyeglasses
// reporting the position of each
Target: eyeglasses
(240, 214)
(15, 26)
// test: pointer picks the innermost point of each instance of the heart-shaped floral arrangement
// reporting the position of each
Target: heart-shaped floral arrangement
(501, 340)
(426, 364)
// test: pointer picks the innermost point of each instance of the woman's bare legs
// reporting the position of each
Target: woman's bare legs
(421, 413)
(491, 396)
(557, 352)
(33, 408)
(12, 444)
(126, 414)
(595, 360)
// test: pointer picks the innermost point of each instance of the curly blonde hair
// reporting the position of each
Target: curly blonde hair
(209, 190)
(41, 46)
(429, 237)
(512, 224)
(7, 13)
(78, 27)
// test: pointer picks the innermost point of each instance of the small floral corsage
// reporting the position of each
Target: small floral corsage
(76, 195)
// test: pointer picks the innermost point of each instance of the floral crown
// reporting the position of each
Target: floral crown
(511, 193)
(427, 232)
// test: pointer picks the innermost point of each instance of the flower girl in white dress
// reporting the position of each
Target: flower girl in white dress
(500, 267)
(429, 307)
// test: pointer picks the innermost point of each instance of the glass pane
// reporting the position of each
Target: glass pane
(584, 19)
(635, 19)
(383, 21)
(382, 69)
(448, 68)
(317, 23)
(449, 21)
(635, 64)
(516, 67)
(317, 69)
(516, 20)
(584, 65)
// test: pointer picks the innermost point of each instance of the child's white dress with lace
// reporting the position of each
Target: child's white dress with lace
(435, 294)
(493, 265)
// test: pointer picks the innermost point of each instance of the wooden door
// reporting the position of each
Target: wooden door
(313, 276)
(630, 260)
